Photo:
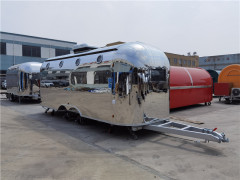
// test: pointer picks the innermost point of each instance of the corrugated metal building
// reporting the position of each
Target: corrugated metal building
(18, 48)
(218, 62)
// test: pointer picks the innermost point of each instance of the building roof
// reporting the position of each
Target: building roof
(221, 55)
(14, 34)
(181, 54)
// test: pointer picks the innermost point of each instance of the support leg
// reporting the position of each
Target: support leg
(46, 110)
(132, 133)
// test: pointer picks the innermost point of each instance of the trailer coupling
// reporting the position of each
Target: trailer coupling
(167, 126)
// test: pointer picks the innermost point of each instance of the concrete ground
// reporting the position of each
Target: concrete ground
(38, 146)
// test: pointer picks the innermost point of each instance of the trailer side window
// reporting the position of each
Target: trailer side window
(26, 80)
(135, 76)
(158, 74)
(101, 77)
(35, 79)
(123, 84)
(158, 80)
(122, 78)
(79, 78)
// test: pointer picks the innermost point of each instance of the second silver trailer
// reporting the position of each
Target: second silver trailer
(23, 81)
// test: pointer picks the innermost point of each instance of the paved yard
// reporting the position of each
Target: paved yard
(35, 145)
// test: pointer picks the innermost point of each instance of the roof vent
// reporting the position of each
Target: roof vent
(79, 48)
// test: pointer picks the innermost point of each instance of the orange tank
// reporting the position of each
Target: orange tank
(230, 74)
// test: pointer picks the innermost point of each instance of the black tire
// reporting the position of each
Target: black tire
(227, 100)
(66, 115)
(80, 120)
(62, 111)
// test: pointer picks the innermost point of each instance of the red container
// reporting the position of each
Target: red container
(222, 89)
(189, 86)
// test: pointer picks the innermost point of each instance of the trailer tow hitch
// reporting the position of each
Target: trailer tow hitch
(166, 126)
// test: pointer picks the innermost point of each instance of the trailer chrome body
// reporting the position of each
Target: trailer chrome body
(23, 81)
(119, 84)
(123, 84)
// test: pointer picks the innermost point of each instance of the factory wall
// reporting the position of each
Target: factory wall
(218, 62)
(17, 48)
(182, 60)
(13, 48)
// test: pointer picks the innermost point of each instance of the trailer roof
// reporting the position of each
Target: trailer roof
(94, 51)
(29, 67)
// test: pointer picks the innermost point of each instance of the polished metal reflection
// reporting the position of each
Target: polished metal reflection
(128, 87)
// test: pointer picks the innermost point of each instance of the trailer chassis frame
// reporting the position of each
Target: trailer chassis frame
(167, 126)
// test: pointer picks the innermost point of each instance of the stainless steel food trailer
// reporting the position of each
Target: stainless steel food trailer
(23, 81)
(125, 84)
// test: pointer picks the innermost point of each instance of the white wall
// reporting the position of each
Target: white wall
(52, 52)
(17, 49)
(14, 49)
(47, 52)
(9, 49)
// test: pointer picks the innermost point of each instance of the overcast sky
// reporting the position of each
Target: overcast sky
(207, 27)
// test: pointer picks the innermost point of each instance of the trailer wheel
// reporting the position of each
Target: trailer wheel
(67, 115)
(228, 101)
(80, 120)
(220, 98)
(209, 103)
(71, 114)
(62, 110)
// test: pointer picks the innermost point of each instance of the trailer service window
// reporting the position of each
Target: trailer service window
(158, 75)
(79, 78)
(101, 77)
